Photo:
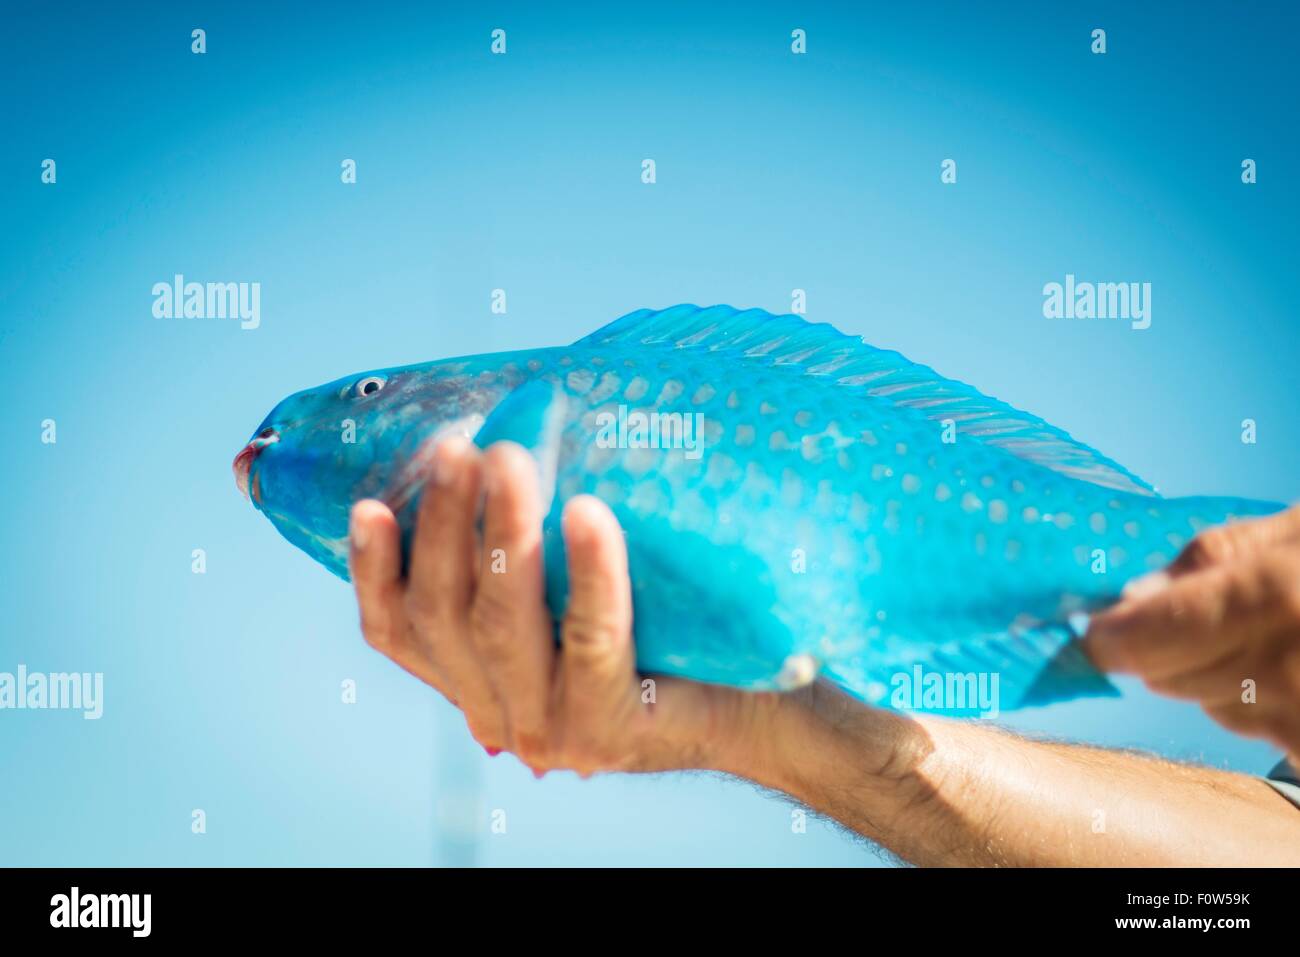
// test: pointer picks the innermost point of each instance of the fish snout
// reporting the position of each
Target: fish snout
(243, 464)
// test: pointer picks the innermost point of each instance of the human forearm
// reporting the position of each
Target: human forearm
(941, 792)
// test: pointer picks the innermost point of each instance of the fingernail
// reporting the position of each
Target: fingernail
(492, 752)
(1146, 586)
(358, 533)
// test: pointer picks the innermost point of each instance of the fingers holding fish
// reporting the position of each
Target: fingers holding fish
(1193, 622)
(445, 542)
(440, 587)
(376, 565)
(510, 623)
(1238, 540)
(1221, 628)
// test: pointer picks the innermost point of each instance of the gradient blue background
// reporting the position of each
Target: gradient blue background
(522, 172)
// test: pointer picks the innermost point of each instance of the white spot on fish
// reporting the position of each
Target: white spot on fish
(580, 381)
(605, 389)
(636, 389)
(671, 390)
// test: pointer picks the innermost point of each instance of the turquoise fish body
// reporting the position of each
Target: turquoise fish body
(797, 504)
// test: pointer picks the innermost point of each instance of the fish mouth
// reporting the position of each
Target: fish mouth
(243, 464)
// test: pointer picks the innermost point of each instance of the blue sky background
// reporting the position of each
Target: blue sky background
(522, 172)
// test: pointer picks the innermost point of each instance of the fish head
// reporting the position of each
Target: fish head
(368, 435)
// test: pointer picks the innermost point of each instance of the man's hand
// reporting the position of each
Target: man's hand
(1220, 626)
(471, 621)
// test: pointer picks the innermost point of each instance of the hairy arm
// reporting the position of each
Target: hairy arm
(939, 792)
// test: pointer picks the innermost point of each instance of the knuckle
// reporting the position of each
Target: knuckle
(1211, 547)
(427, 617)
(533, 748)
(1162, 686)
(492, 619)
(587, 631)
(376, 637)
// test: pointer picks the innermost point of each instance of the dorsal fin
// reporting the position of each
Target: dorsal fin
(818, 349)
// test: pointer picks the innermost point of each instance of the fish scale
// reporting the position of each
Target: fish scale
(849, 514)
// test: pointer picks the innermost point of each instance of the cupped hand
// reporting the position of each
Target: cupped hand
(1220, 626)
(471, 620)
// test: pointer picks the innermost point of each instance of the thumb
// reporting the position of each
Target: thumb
(597, 656)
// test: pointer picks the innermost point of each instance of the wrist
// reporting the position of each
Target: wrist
(817, 739)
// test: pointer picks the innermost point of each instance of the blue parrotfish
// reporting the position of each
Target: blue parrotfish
(797, 504)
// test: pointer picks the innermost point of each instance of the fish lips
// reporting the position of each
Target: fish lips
(243, 464)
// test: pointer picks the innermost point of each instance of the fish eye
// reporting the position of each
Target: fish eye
(368, 386)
